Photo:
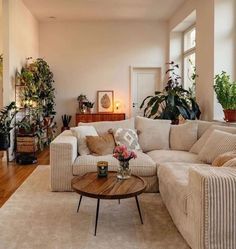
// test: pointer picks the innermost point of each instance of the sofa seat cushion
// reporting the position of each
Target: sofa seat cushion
(173, 185)
(143, 165)
(162, 156)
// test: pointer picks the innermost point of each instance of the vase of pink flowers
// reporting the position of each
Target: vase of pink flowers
(123, 155)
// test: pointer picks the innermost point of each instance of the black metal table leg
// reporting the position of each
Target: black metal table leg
(80, 199)
(118, 201)
(97, 212)
(140, 215)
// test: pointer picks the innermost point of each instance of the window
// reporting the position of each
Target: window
(189, 72)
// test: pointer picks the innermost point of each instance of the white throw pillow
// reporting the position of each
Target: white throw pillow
(231, 163)
(81, 132)
(102, 127)
(153, 134)
(202, 140)
(183, 136)
(127, 137)
(218, 143)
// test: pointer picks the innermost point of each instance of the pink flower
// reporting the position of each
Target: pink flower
(123, 154)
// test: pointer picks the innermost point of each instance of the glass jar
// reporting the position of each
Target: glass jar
(123, 172)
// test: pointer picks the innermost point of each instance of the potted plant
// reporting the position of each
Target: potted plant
(225, 90)
(173, 102)
(6, 116)
(66, 121)
(89, 105)
(82, 99)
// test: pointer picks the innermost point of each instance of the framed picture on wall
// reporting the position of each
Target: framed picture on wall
(105, 101)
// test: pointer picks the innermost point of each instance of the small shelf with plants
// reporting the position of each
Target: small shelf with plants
(35, 96)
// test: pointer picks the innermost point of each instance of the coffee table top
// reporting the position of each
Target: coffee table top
(108, 187)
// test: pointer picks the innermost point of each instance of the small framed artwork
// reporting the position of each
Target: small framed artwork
(105, 101)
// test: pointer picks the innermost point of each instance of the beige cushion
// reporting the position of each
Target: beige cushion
(101, 145)
(163, 156)
(173, 180)
(81, 132)
(218, 143)
(230, 163)
(182, 137)
(201, 142)
(223, 158)
(103, 126)
(127, 137)
(153, 134)
(143, 165)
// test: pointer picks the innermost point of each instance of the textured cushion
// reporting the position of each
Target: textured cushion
(218, 143)
(162, 156)
(230, 163)
(103, 126)
(182, 137)
(127, 137)
(101, 145)
(143, 165)
(154, 134)
(201, 142)
(81, 132)
(223, 158)
(173, 179)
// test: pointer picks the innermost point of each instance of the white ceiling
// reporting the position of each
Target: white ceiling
(85, 10)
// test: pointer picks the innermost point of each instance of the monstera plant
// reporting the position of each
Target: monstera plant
(173, 102)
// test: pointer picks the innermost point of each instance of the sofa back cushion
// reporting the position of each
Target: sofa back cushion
(153, 134)
(202, 140)
(183, 136)
(219, 142)
(102, 127)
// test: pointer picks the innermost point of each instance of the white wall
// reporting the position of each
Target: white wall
(90, 56)
(21, 39)
(205, 57)
(185, 10)
(224, 43)
(1, 52)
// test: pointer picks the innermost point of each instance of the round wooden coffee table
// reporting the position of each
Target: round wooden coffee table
(90, 185)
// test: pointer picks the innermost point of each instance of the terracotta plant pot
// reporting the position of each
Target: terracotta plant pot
(230, 115)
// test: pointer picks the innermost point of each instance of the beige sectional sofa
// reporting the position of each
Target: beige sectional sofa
(200, 199)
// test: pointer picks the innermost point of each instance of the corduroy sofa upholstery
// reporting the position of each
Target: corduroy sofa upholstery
(200, 199)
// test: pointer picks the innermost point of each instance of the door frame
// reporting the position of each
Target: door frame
(131, 85)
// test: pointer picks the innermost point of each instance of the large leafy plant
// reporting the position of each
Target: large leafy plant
(225, 91)
(37, 79)
(171, 103)
(7, 115)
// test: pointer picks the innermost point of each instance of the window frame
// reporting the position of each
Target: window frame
(189, 51)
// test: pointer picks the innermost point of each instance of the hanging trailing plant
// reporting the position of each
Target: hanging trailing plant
(171, 103)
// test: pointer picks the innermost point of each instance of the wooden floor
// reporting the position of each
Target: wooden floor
(13, 175)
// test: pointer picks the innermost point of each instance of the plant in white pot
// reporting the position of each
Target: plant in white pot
(226, 95)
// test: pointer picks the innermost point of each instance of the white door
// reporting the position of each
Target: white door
(144, 82)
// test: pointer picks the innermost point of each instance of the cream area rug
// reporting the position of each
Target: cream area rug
(36, 218)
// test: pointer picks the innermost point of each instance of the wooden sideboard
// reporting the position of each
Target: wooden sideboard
(95, 117)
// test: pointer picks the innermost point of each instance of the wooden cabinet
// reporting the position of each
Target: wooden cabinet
(95, 117)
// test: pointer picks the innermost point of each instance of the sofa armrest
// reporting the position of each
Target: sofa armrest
(213, 207)
(63, 152)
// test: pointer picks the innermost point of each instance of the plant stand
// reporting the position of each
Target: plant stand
(26, 148)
